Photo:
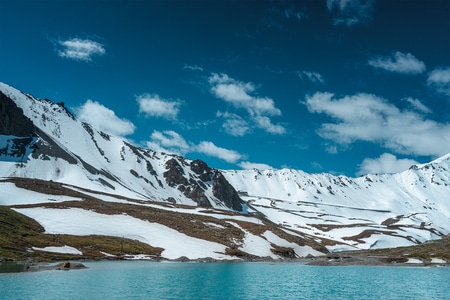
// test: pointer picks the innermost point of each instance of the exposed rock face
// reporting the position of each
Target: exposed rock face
(198, 195)
(13, 122)
(225, 192)
(175, 176)
(222, 189)
(175, 173)
(194, 188)
(12, 119)
(201, 168)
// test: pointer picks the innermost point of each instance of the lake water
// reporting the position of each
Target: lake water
(262, 280)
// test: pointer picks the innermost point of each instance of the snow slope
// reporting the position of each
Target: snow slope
(372, 211)
(66, 150)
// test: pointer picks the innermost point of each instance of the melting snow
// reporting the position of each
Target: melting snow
(62, 249)
(12, 195)
(83, 222)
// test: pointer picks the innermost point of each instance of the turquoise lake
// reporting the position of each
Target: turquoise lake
(261, 280)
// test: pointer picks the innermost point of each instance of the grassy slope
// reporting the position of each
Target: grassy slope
(19, 233)
(439, 248)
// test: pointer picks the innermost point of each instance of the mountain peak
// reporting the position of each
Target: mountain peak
(69, 151)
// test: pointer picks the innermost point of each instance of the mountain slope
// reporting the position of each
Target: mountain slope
(372, 211)
(66, 150)
(75, 180)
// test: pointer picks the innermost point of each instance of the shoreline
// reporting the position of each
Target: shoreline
(329, 260)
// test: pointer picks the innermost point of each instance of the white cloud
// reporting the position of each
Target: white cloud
(171, 142)
(80, 49)
(239, 95)
(168, 141)
(210, 149)
(104, 119)
(399, 63)
(332, 149)
(265, 123)
(154, 106)
(350, 12)
(192, 67)
(386, 163)
(417, 105)
(366, 117)
(234, 125)
(439, 79)
(315, 77)
(250, 166)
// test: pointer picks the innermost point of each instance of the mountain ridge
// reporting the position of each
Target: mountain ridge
(102, 156)
(41, 141)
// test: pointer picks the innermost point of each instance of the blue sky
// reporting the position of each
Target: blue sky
(340, 86)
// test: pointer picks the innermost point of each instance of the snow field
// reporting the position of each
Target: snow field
(83, 222)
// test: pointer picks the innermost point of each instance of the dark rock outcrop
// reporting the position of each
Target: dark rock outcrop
(200, 168)
(195, 187)
(12, 119)
(175, 173)
(225, 192)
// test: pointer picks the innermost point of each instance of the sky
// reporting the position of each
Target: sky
(338, 86)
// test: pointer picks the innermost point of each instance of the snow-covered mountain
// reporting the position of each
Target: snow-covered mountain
(281, 212)
(46, 142)
(372, 211)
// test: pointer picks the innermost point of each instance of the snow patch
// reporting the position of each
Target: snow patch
(301, 251)
(83, 222)
(61, 249)
(12, 195)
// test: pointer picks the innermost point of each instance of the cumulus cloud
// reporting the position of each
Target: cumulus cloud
(439, 79)
(239, 95)
(314, 77)
(104, 119)
(154, 106)
(171, 142)
(350, 12)
(250, 166)
(168, 141)
(210, 149)
(386, 163)
(399, 63)
(266, 124)
(234, 125)
(366, 117)
(80, 49)
(417, 105)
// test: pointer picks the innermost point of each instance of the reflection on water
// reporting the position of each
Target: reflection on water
(12, 267)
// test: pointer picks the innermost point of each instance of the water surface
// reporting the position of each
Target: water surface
(150, 280)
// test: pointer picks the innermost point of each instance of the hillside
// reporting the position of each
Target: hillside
(69, 190)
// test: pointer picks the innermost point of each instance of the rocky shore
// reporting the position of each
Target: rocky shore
(13, 266)
(367, 259)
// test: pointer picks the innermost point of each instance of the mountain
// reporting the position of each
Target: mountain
(46, 141)
(74, 190)
(372, 211)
